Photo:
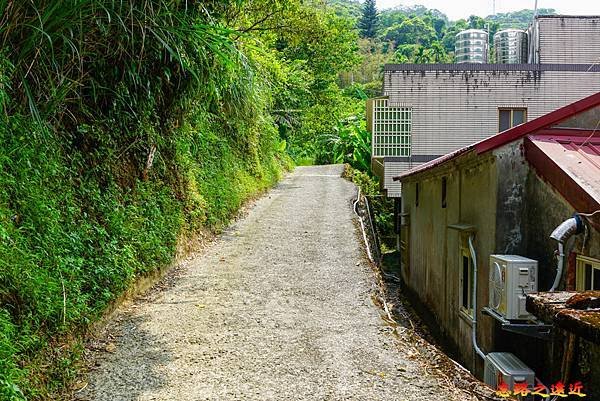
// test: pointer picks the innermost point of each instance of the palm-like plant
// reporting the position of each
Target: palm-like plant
(350, 143)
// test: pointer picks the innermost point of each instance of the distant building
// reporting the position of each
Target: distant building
(429, 110)
(564, 39)
(507, 194)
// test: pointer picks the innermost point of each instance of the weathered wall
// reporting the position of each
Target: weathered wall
(585, 120)
(511, 238)
(457, 105)
(513, 212)
(512, 169)
(435, 265)
(566, 39)
(546, 209)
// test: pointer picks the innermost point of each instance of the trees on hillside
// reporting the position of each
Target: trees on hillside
(418, 54)
(417, 26)
(369, 21)
(411, 31)
(518, 19)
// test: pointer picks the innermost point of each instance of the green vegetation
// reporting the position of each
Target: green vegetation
(126, 127)
(518, 19)
(383, 207)
(415, 34)
(369, 21)
(405, 34)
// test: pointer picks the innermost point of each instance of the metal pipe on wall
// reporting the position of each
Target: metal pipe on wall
(474, 326)
(561, 234)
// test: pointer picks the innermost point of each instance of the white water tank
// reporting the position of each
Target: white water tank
(471, 46)
(511, 46)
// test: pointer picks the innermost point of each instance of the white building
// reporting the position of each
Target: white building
(573, 39)
(429, 110)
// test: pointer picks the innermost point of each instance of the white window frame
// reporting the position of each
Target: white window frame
(580, 272)
(392, 129)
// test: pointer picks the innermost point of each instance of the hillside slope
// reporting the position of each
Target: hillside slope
(123, 130)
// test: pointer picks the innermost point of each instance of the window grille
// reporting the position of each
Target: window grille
(392, 127)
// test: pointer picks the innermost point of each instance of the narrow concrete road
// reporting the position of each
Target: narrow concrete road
(278, 308)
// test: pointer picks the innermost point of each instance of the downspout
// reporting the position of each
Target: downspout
(562, 233)
(474, 326)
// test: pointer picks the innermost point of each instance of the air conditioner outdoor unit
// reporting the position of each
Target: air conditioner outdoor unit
(504, 367)
(511, 278)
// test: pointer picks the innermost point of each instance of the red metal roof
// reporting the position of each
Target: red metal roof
(435, 162)
(518, 132)
(571, 164)
(547, 120)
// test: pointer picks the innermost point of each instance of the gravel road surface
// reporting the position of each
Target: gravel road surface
(279, 307)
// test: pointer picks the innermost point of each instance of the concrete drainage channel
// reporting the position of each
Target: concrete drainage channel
(406, 323)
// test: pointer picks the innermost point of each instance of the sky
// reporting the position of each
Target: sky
(456, 9)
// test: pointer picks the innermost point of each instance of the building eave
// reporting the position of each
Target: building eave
(556, 168)
(467, 67)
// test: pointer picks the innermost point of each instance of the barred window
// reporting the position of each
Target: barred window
(391, 129)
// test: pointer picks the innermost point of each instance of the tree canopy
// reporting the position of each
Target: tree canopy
(369, 21)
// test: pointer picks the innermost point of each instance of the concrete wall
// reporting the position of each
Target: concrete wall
(512, 170)
(434, 267)
(454, 106)
(565, 39)
(513, 211)
(585, 120)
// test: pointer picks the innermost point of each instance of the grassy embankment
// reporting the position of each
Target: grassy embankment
(123, 129)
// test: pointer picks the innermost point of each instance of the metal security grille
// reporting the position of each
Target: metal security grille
(391, 129)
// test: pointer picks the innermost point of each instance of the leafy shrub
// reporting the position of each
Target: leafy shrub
(123, 126)
(383, 207)
(349, 143)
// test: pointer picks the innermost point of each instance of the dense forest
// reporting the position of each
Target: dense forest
(128, 128)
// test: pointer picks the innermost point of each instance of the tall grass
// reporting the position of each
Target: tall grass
(123, 125)
(68, 54)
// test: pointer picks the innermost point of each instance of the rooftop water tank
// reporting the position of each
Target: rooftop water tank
(471, 46)
(510, 46)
